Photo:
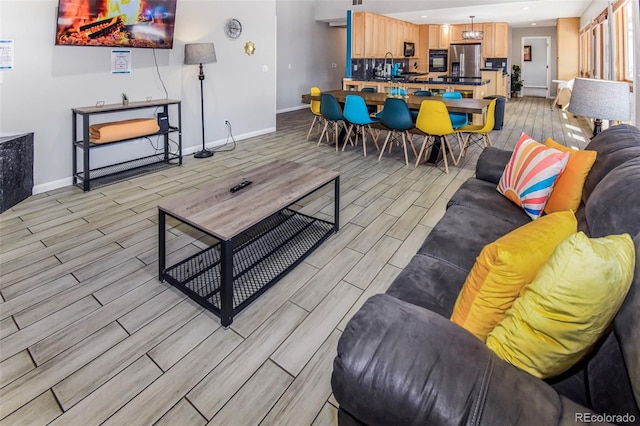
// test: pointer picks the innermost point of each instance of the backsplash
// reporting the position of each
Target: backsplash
(496, 64)
(367, 69)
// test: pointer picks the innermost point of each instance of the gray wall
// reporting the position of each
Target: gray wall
(307, 51)
(534, 73)
(516, 47)
(47, 81)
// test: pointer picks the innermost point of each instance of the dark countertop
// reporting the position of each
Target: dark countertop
(494, 69)
(462, 81)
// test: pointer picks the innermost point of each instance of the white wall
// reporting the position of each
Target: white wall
(47, 81)
(307, 51)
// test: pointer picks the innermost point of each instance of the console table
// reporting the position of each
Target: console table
(87, 178)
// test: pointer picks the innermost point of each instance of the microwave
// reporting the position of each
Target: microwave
(409, 49)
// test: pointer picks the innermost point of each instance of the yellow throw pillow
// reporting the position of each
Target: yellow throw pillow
(567, 191)
(504, 267)
(563, 312)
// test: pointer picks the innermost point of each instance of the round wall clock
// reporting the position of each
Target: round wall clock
(233, 28)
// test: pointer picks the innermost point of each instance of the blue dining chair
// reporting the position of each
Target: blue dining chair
(371, 108)
(332, 114)
(357, 115)
(397, 119)
(458, 119)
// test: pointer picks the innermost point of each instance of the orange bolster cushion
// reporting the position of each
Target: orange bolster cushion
(118, 130)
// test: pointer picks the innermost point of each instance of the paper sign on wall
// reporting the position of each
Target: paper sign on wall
(6, 54)
(121, 62)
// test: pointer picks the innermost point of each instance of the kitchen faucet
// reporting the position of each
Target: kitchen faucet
(385, 63)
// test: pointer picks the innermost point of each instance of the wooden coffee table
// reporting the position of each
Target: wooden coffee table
(261, 237)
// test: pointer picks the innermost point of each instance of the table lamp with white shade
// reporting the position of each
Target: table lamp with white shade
(600, 100)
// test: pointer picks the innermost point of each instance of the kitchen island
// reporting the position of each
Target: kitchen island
(470, 87)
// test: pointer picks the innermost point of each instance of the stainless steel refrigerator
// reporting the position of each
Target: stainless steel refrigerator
(465, 60)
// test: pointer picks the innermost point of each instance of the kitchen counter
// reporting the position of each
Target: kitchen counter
(446, 81)
(476, 88)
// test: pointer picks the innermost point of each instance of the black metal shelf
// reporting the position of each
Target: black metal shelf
(261, 256)
(87, 178)
(80, 143)
(119, 172)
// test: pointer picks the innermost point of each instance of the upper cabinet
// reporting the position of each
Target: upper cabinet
(455, 33)
(501, 40)
(438, 37)
(495, 43)
(357, 35)
(374, 35)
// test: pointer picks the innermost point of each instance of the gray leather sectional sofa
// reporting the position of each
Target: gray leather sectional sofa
(401, 361)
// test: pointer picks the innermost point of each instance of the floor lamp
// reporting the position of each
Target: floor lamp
(200, 53)
(600, 100)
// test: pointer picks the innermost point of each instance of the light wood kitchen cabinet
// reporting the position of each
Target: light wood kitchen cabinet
(455, 33)
(501, 40)
(495, 43)
(357, 35)
(434, 36)
(439, 36)
(372, 35)
(381, 37)
(443, 42)
(497, 82)
(487, 41)
(568, 44)
(395, 37)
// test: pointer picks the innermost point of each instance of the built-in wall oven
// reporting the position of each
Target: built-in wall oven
(438, 60)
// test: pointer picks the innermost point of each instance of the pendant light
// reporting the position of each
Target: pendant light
(472, 35)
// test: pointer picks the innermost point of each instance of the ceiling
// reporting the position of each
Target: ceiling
(516, 13)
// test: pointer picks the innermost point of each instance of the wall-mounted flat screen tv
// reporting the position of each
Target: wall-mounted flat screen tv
(116, 23)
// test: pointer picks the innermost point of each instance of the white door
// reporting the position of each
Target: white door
(535, 66)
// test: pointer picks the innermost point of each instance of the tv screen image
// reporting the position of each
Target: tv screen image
(116, 23)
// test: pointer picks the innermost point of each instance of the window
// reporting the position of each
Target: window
(597, 51)
(629, 54)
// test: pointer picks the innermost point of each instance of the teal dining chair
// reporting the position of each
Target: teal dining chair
(398, 121)
(332, 114)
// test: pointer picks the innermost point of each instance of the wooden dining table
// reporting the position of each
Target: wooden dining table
(466, 105)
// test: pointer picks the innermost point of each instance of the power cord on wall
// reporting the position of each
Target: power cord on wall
(155, 59)
(227, 123)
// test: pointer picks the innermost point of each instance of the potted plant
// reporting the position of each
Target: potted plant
(516, 82)
(125, 99)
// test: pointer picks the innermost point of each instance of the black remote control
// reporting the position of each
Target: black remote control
(240, 186)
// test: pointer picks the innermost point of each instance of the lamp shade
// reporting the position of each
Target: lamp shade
(199, 53)
(603, 99)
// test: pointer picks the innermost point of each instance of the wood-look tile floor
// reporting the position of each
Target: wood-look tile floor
(90, 336)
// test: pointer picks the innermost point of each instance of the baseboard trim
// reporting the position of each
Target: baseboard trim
(68, 181)
(296, 108)
(50, 186)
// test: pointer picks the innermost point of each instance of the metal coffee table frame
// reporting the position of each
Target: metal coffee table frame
(228, 276)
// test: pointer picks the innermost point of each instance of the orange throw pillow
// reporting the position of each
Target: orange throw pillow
(567, 192)
(504, 267)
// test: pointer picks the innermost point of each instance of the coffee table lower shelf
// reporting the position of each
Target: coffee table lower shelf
(261, 256)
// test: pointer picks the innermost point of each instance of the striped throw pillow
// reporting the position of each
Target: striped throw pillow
(531, 173)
